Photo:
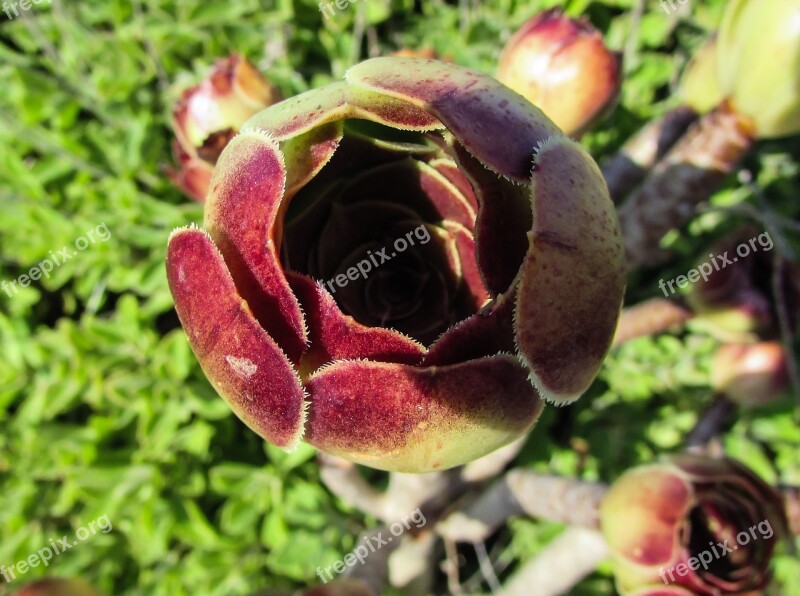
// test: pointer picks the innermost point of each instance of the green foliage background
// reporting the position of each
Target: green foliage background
(103, 408)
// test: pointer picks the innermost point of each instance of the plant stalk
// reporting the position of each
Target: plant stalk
(625, 170)
(688, 175)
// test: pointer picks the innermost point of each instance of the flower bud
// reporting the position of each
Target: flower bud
(342, 587)
(759, 45)
(562, 66)
(661, 591)
(57, 587)
(428, 53)
(699, 88)
(728, 302)
(208, 115)
(751, 374)
(739, 316)
(706, 525)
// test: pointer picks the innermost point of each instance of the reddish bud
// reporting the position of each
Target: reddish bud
(562, 66)
(751, 374)
(208, 115)
(58, 587)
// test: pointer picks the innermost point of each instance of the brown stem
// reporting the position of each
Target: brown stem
(785, 323)
(625, 170)
(375, 569)
(450, 567)
(688, 175)
(482, 517)
(791, 501)
(405, 493)
(342, 479)
(720, 414)
(570, 557)
(565, 500)
(489, 466)
(486, 567)
(432, 493)
(649, 318)
(413, 565)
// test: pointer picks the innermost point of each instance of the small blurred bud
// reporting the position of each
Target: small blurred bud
(751, 374)
(342, 587)
(562, 66)
(648, 318)
(58, 587)
(730, 303)
(662, 591)
(699, 88)
(736, 317)
(428, 53)
(208, 115)
(758, 54)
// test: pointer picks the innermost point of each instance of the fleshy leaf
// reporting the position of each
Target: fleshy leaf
(503, 222)
(243, 363)
(573, 277)
(337, 101)
(483, 334)
(470, 274)
(416, 185)
(241, 210)
(408, 419)
(643, 512)
(449, 169)
(194, 175)
(495, 124)
(308, 153)
(336, 336)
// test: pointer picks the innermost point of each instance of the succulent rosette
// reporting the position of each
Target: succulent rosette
(208, 115)
(694, 523)
(399, 267)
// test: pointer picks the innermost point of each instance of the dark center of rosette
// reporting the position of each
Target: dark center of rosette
(369, 230)
(730, 556)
